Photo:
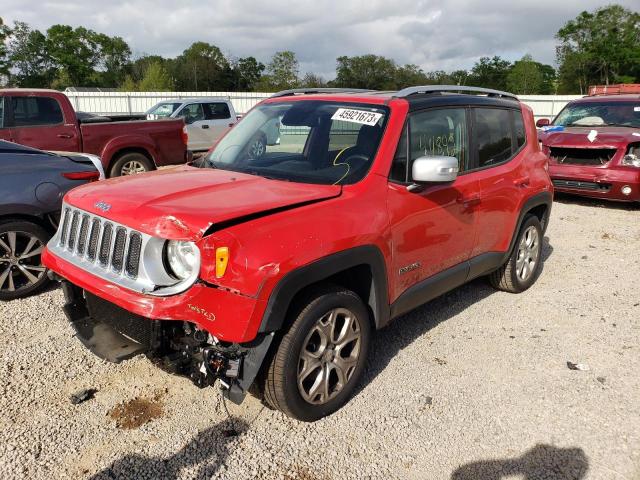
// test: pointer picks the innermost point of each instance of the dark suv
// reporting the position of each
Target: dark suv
(274, 268)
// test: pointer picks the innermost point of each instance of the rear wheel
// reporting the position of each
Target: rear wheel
(21, 270)
(130, 164)
(320, 359)
(523, 266)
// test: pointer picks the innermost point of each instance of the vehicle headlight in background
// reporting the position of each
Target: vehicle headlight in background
(632, 158)
(183, 259)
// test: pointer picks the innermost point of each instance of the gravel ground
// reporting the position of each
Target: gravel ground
(475, 385)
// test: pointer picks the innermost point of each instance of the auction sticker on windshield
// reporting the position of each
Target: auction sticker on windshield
(356, 116)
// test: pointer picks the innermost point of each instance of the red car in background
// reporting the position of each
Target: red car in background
(46, 120)
(594, 146)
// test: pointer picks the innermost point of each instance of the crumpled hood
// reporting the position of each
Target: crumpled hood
(182, 203)
(576, 137)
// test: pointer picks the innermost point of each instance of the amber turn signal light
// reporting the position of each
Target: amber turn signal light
(222, 259)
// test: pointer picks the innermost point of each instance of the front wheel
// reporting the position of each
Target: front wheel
(21, 271)
(522, 268)
(320, 359)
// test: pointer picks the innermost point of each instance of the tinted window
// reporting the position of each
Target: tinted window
(518, 125)
(31, 111)
(441, 132)
(1, 112)
(164, 109)
(216, 111)
(192, 113)
(493, 135)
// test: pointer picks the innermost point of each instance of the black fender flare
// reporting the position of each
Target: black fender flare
(296, 280)
(542, 198)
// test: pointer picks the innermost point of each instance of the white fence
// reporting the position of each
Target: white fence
(131, 103)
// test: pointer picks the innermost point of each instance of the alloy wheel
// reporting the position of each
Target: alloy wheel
(20, 264)
(528, 253)
(133, 167)
(329, 356)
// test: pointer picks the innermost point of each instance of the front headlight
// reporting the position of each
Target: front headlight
(182, 258)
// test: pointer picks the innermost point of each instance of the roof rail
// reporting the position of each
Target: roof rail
(311, 91)
(405, 92)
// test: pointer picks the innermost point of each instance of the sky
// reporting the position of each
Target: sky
(436, 35)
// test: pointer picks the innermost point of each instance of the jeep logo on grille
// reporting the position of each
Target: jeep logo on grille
(105, 207)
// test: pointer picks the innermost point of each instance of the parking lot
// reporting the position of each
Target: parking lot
(473, 385)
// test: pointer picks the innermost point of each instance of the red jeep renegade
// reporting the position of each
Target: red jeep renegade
(273, 266)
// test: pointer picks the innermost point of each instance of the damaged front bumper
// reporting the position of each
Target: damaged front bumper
(179, 347)
(619, 184)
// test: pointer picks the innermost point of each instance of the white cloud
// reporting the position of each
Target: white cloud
(439, 34)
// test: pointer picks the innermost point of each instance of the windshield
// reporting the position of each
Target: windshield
(592, 114)
(308, 141)
(164, 109)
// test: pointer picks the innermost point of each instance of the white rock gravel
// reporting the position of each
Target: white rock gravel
(474, 385)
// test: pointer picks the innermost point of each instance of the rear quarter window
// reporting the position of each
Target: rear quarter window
(518, 125)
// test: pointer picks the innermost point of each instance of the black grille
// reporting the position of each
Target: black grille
(73, 231)
(582, 156)
(579, 185)
(65, 227)
(133, 256)
(93, 239)
(105, 245)
(84, 231)
(117, 259)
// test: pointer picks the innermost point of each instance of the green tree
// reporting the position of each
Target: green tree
(490, 73)
(312, 80)
(113, 59)
(282, 72)
(200, 68)
(128, 85)
(75, 54)
(525, 76)
(366, 71)
(156, 79)
(4, 58)
(410, 75)
(599, 47)
(28, 55)
(245, 74)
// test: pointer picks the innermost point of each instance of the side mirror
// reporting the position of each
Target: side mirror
(436, 169)
(543, 122)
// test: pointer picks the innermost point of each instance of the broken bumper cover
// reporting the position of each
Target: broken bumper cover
(228, 316)
(605, 183)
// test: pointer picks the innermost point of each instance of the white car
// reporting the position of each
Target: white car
(206, 119)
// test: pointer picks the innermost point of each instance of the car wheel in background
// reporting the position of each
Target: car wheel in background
(131, 164)
(320, 359)
(258, 147)
(21, 269)
(523, 266)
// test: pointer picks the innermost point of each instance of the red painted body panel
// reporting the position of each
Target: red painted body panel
(160, 139)
(438, 227)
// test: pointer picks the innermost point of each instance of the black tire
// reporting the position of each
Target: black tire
(125, 163)
(508, 277)
(257, 147)
(280, 382)
(13, 282)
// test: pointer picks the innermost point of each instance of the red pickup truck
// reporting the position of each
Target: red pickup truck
(46, 120)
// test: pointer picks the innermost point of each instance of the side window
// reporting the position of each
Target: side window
(1, 112)
(493, 135)
(437, 132)
(35, 111)
(192, 113)
(518, 125)
(216, 111)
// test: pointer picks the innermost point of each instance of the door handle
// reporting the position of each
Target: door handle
(522, 181)
(64, 135)
(205, 126)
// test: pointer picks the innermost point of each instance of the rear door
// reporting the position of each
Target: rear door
(499, 165)
(433, 229)
(38, 121)
(5, 131)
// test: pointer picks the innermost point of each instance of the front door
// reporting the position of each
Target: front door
(197, 127)
(37, 121)
(218, 117)
(432, 229)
